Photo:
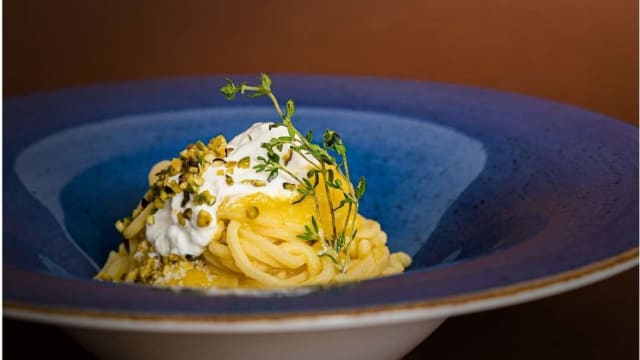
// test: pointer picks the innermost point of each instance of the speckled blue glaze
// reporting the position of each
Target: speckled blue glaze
(484, 189)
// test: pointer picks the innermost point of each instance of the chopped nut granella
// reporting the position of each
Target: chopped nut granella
(187, 178)
(204, 197)
(244, 163)
(228, 179)
(218, 162)
(191, 188)
(253, 212)
(218, 145)
(201, 146)
(171, 259)
(176, 164)
(174, 186)
(180, 216)
(287, 157)
(189, 167)
(185, 199)
(254, 182)
(158, 203)
(204, 218)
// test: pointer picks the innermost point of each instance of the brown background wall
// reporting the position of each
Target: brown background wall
(583, 52)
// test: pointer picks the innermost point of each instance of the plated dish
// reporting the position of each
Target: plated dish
(498, 198)
(269, 209)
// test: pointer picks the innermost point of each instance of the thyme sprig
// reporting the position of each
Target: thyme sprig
(324, 160)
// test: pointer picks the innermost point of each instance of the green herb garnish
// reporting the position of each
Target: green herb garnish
(322, 159)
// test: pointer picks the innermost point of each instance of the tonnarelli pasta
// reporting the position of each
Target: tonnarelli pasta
(269, 209)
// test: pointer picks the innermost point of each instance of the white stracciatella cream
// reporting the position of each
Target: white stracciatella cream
(169, 237)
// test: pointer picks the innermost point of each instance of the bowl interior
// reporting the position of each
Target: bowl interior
(95, 173)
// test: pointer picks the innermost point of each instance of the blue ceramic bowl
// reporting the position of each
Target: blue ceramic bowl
(494, 195)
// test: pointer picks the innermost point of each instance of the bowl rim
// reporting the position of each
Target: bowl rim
(435, 309)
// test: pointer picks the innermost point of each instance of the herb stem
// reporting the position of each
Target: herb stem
(269, 94)
(345, 164)
(319, 158)
(305, 158)
(288, 172)
(329, 200)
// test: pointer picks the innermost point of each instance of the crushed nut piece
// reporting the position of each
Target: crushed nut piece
(229, 180)
(254, 182)
(176, 164)
(253, 212)
(204, 218)
(244, 163)
(180, 216)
